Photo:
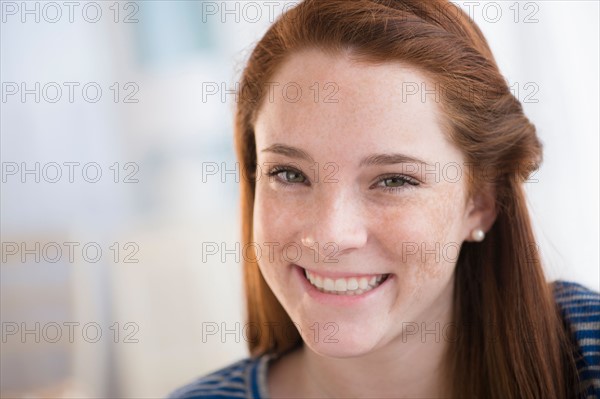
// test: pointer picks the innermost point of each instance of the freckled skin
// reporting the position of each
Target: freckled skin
(367, 224)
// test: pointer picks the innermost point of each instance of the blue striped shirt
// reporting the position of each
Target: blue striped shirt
(579, 306)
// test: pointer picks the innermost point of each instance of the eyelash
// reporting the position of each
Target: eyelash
(274, 171)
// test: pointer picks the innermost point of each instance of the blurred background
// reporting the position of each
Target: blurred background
(120, 275)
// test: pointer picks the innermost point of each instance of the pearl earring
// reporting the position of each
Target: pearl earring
(478, 235)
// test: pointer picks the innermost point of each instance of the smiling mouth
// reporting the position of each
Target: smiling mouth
(345, 286)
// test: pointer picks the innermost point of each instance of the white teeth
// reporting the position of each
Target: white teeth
(319, 282)
(340, 284)
(308, 276)
(363, 283)
(352, 283)
(344, 286)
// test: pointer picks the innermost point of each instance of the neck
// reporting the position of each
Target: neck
(410, 370)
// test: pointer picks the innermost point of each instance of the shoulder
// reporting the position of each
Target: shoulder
(242, 379)
(577, 303)
(580, 310)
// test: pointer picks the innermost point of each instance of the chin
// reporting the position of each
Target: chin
(339, 339)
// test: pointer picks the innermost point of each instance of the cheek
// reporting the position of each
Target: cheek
(274, 227)
(273, 220)
(422, 236)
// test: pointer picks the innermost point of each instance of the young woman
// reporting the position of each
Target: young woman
(393, 251)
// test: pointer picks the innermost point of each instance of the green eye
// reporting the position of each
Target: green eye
(287, 175)
(395, 182)
(293, 176)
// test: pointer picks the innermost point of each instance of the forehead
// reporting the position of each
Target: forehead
(338, 104)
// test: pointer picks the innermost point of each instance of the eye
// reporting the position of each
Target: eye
(396, 183)
(287, 175)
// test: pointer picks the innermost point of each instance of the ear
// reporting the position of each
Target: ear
(481, 211)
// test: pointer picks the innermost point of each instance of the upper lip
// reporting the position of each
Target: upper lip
(340, 274)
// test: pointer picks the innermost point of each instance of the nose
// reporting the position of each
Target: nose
(335, 224)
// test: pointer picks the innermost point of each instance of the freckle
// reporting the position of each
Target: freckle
(431, 269)
(435, 271)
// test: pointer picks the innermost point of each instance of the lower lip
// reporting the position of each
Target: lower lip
(342, 300)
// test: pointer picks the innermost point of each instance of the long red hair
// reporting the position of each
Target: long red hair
(511, 341)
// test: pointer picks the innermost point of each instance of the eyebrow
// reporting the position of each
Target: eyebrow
(371, 160)
(289, 151)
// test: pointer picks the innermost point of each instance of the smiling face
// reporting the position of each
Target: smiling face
(349, 179)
